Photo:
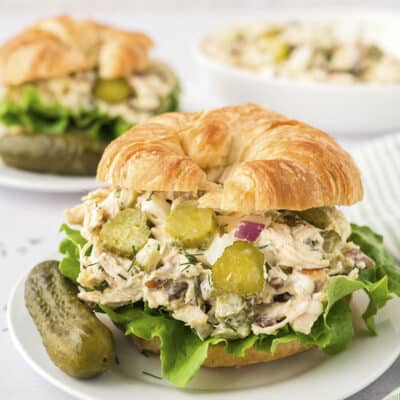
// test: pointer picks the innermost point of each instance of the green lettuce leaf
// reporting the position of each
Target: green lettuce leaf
(70, 248)
(54, 119)
(385, 265)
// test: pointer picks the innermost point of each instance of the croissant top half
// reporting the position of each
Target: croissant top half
(242, 158)
(58, 46)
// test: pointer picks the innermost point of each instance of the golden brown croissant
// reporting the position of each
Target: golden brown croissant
(57, 46)
(246, 158)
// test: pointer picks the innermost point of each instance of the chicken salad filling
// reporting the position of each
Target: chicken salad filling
(134, 98)
(306, 51)
(223, 274)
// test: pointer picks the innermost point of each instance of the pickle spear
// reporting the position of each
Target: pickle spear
(69, 154)
(76, 341)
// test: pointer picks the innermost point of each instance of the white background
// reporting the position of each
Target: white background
(29, 221)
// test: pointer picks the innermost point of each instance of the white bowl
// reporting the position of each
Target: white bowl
(340, 109)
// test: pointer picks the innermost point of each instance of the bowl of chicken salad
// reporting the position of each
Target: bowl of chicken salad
(337, 70)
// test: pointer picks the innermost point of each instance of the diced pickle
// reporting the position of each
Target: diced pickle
(239, 270)
(271, 32)
(112, 90)
(316, 216)
(282, 52)
(331, 241)
(149, 256)
(192, 226)
(126, 233)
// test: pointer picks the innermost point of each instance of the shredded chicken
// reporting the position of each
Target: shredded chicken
(298, 266)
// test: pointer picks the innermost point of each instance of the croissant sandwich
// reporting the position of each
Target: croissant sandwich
(72, 86)
(219, 241)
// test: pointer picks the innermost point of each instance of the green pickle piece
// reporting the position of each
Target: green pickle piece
(331, 240)
(191, 225)
(77, 342)
(126, 233)
(73, 153)
(316, 216)
(112, 90)
(282, 52)
(239, 270)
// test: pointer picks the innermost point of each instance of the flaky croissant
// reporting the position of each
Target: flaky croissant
(244, 158)
(58, 46)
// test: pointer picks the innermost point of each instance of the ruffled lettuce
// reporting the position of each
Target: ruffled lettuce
(70, 247)
(182, 352)
(54, 119)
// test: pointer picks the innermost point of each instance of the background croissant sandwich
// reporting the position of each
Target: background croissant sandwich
(72, 86)
(219, 243)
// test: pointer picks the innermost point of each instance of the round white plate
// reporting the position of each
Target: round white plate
(19, 179)
(311, 375)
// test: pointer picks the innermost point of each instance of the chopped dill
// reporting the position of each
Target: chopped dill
(196, 289)
(152, 375)
(191, 258)
(101, 286)
(122, 277)
(150, 196)
(90, 265)
(133, 259)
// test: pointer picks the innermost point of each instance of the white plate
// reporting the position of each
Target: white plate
(310, 375)
(19, 179)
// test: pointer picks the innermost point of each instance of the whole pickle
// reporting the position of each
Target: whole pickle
(69, 154)
(76, 341)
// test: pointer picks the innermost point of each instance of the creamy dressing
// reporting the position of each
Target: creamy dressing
(297, 267)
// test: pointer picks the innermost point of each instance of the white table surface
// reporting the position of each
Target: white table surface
(29, 221)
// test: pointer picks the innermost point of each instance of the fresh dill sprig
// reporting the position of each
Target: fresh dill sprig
(150, 196)
(101, 286)
(196, 289)
(133, 259)
(191, 258)
(152, 375)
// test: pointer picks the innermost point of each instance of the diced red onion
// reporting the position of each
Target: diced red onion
(248, 230)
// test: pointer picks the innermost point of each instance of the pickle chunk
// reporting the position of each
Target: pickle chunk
(239, 270)
(112, 90)
(76, 341)
(190, 225)
(126, 233)
(318, 217)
